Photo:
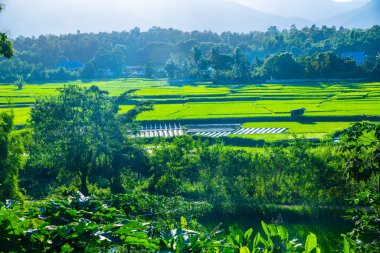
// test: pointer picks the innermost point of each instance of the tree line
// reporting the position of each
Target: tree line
(312, 52)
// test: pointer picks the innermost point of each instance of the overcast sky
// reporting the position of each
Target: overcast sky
(34, 17)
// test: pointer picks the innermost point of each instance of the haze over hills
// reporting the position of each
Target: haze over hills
(220, 16)
(363, 17)
(28, 18)
(309, 9)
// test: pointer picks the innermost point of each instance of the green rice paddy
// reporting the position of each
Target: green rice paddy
(329, 106)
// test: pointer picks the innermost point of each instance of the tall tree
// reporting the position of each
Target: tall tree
(5, 44)
(282, 65)
(79, 133)
(196, 55)
(361, 151)
(241, 66)
(11, 160)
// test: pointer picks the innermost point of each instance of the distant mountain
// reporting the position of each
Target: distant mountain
(363, 17)
(46, 16)
(188, 15)
(223, 16)
(309, 9)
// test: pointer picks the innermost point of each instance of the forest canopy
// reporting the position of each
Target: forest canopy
(196, 55)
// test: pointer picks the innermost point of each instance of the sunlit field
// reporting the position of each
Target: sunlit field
(259, 105)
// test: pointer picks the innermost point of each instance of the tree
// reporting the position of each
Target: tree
(5, 44)
(372, 66)
(88, 71)
(171, 69)
(282, 65)
(20, 82)
(321, 63)
(196, 55)
(215, 58)
(106, 62)
(376, 70)
(361, 150)
(79, 134)
(241, 66)
(11, 161)
(150, 70)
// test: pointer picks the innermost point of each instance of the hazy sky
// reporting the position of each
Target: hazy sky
(311, 9)
(34, 17)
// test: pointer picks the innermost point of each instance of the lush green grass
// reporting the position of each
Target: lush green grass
(311, 130)
(183, 91)
(273, 100)
(21, 114)
(31, 91)
(125, 108)
(227, 101)
(203, 110)
(302, 128)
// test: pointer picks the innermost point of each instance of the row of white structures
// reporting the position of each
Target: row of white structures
(169, 130)
(166, 130)
(243, 131)
(260, 131)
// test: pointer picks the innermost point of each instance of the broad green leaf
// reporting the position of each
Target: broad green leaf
(311, 243)
(256, 241)
(238, 239)
(283, 233)
(244, 250)
(265, 242)
(248, 233)
(265, 228)
(346, 248)
(272, 229)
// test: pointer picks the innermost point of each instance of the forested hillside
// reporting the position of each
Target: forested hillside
(312, 52)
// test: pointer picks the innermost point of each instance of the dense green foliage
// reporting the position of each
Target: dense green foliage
(362, 156)
(11, 160)
(318, 65)
(5, 46)
(195, 55)
(6, 49)
(239, 181)
(78, 135)
(78, 141)
(82, 223)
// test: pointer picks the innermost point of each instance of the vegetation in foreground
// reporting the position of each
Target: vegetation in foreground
(75, 141)
(86, 224)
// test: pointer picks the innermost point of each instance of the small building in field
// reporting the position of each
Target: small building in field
(297, 112)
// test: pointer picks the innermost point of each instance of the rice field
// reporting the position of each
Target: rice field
(258, 105)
